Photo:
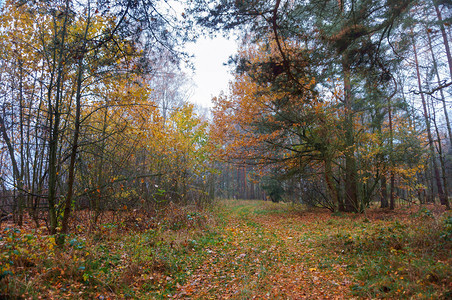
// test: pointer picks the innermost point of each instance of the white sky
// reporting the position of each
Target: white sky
(211, 76)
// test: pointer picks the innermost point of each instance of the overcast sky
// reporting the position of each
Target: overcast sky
(211, 75)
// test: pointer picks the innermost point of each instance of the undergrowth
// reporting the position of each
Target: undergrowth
(114, 261)
(238, 249)
(406, 257)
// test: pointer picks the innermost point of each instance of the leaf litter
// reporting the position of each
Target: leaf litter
(264, 258)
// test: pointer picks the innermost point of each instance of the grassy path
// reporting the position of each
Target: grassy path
(265, 252)
(237, 250)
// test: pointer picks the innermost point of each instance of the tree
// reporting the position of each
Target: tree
(337, 37)
(65, 56)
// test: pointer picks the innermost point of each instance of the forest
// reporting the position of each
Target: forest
(324, 172)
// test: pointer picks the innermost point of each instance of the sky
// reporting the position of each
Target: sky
(211, 76)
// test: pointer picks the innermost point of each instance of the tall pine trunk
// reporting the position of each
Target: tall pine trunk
(444, 35)
(438, 79)
(391, 159)
(439, 186)
(441, 158)
(351, 197)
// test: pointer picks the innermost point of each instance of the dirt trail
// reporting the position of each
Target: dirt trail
(265, 253)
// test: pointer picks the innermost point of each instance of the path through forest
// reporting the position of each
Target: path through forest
(238, 250)
(267, 251)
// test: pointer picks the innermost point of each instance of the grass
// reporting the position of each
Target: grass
(240, 250)
(391, 259)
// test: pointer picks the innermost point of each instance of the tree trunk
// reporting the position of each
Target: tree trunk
(392, 190)
(438, 79)
(391, 159)
(55, 115)
(21, 198)
(16, 173)
(351, 198)
(441, 195)
(444, 35)
(384, 193)
(71, 171)
(441, 158)
(330, 184)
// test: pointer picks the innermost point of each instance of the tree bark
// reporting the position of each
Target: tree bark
(351, 198)
(444, 35)
(16, 173)
(441, 158)
(71, 171)
(330, 184)
(391, 159)
(55, 115)
(438, 79)
(441, 195)
(384, 193)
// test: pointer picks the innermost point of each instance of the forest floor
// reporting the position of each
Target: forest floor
(237, 250)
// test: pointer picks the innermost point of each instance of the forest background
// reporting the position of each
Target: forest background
(341, 105)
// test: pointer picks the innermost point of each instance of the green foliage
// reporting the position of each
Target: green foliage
(424, 213)
(17, 250)
(273, 188)
(446, 233)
